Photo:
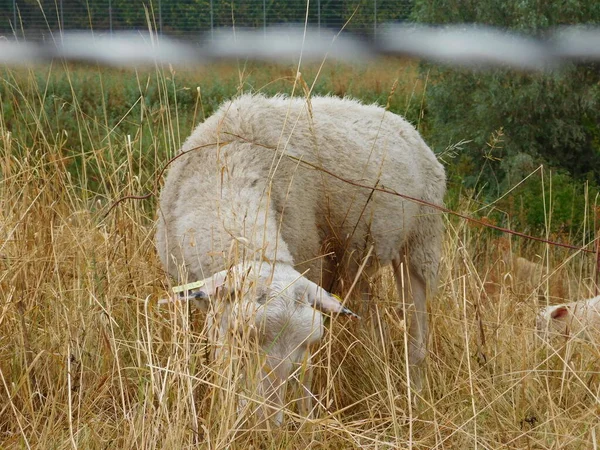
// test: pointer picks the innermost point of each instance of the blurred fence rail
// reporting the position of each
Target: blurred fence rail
(131, 32)
(461, 45)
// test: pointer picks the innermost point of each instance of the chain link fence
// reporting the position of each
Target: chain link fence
(40, 19)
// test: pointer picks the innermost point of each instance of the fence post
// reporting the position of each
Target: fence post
(265, 18)
(110, 26)
(319, 15)
(160, 22)
(212, 24)
(374, 19)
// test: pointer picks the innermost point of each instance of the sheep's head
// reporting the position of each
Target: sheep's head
(579, 320)
(552, 321)
(277, 308)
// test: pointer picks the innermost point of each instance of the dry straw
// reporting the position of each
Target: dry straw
(88, 361)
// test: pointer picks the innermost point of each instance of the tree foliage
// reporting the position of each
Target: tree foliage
(515, 121)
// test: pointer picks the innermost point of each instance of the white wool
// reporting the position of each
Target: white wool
(249, 191)
(576, 319)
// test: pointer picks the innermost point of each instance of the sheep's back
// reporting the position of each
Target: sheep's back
(315, 154)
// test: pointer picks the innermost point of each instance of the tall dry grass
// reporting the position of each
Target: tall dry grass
(88, 360)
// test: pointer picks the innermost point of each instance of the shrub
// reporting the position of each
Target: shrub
(512, 121)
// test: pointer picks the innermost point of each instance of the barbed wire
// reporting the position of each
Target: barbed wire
(480, 222)
(456, 45)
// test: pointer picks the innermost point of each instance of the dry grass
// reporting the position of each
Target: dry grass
(87, 359)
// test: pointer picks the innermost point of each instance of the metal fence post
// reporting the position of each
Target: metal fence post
(212, 23)
(110, 25)
(265, 17)
(160, 22)
(319, 15)
(374, 18)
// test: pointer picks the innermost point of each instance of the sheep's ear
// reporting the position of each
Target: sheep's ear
(199, 293)
(222, 283)
(559, 313)
(322, 300)
(212, 286)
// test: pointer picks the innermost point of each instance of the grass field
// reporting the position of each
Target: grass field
(88, 360)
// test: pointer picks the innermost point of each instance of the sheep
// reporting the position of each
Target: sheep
(525, 276)
(579, 319)
(275, 181)
(528, 276)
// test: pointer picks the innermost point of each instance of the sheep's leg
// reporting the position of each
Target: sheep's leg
(418, 332)
(401, 277)
(305, 401)
(273, 394)
(272, 389)
(412, 288)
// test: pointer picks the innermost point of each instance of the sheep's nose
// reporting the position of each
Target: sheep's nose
(347, 312)
(199, 295)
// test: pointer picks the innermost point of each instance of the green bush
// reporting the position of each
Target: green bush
(511, 122)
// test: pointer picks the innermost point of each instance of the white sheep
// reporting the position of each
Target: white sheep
(261, 184)
(576, 319)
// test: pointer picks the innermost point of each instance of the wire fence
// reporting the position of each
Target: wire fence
(115, 33)
(129, 33)
(39, 19)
